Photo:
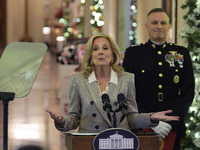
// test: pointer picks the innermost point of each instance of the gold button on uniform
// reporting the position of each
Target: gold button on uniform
(160, 63)
(160, 86)
(160, 75)
(159, 52)
(143, 71)
(176, 70)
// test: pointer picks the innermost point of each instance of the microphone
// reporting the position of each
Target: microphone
(106, 105)
(122, 105)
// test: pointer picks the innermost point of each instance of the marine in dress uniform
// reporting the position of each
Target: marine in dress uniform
(164, 79)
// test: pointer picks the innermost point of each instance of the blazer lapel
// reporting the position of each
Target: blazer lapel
(113, 90)
(96, 97)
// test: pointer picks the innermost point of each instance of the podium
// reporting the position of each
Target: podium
(84, 142)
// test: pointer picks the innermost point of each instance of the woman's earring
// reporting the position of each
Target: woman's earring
(91, 63)
(111, 62)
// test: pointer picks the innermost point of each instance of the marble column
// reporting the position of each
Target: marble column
(87, 18)
(110, 18)
(180, 22)
(123, 23)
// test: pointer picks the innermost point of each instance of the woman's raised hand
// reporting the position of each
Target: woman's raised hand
(161, 115)
(58, 119)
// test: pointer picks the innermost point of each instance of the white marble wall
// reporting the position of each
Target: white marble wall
(15, 20)
(181, 22)
(110, 18)
(113, 18)
(36, 14)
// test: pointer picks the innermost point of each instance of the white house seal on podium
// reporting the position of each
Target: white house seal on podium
(116, 139)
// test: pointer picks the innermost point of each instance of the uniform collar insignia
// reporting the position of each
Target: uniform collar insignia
(164, 45)
(153, 45)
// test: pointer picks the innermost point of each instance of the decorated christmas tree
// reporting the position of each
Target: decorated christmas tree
(192, 35)
(97, 15)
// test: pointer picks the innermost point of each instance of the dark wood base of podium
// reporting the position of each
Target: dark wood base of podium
(74, 142)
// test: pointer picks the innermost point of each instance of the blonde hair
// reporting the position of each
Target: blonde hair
(87, 67)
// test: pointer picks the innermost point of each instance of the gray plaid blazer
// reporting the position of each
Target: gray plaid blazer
(86, 108)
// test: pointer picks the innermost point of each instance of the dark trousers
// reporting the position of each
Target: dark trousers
(177, 143)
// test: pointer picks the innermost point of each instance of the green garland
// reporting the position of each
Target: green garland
(96, 15)
(133, 15)
(192, 34)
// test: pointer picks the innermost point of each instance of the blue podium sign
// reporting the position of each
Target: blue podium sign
(116, 139)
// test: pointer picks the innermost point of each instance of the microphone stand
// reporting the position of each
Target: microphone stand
(114, 119)
(109, 116)
(107, 107)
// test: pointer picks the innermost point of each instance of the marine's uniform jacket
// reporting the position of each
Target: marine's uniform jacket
(164, 79)
(86, 108)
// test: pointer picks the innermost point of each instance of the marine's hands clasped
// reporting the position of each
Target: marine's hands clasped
(58, 119)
